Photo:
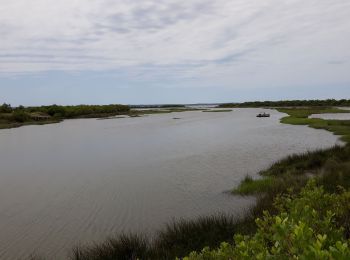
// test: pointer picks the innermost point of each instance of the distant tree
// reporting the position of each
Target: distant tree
(5, 108)
(19, 108)
(58, 111)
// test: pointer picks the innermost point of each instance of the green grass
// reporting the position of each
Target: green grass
(299, 116)
(306, 112)
(249, 186)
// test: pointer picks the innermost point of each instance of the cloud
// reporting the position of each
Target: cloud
(234, 42)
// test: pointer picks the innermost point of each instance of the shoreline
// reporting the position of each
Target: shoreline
(133, 113)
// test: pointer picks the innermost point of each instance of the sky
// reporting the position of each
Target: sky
(173, 51)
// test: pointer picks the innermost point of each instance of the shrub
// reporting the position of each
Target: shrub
(307, 226)
(20, 116)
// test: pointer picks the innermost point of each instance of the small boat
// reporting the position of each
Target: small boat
(263, 115)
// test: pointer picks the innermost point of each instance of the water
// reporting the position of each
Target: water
(83, 180)
(334, 116)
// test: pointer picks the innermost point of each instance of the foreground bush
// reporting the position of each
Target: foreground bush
(307, 226)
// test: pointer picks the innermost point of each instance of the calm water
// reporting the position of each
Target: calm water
(83, 180)
(335, 116)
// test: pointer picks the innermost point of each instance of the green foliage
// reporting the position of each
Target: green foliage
(307, 111)
(290, 103)
(307, 226)
(250, 186)
(20, 116)
(5, 108)
(80, 110)
(297, 164)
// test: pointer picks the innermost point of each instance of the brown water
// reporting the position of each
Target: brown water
(83, 180)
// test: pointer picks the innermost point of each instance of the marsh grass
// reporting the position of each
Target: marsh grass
(177, 239)
(300, 116)
(181, 237)
(124, 247)
(250, 186)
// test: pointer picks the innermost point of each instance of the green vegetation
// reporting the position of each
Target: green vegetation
(124, 247)
(290, 103)
(178, 238)
(310, 225)
(300, 117)
(80, 111)
(15, 117)
(249, 186)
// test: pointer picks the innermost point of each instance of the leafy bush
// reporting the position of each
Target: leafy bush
(307, 226)
(20, 116)
(291, 103)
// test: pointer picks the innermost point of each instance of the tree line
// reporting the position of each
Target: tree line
(23, 114)
(68, 111)
(290, 103)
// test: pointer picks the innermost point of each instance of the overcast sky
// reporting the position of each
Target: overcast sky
(173, 51)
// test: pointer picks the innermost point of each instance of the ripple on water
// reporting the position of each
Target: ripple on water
(84, 180)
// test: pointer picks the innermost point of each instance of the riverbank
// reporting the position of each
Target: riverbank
(9, 125)
(20, 116)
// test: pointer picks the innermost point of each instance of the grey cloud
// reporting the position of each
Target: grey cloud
(218, 41)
